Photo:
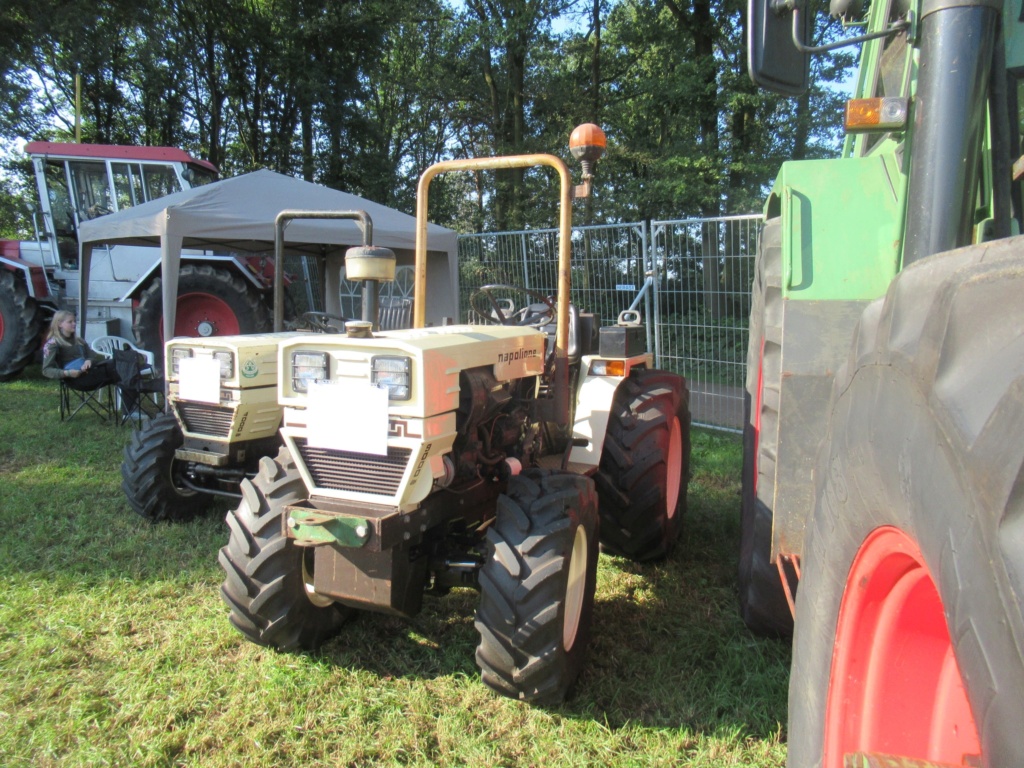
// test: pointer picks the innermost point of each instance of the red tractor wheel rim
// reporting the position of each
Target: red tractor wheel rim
(895, 686)
(674, 480)
(201, 314)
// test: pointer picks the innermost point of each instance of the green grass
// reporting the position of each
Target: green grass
(115, 648)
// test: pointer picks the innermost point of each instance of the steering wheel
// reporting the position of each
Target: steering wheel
(493, 312)
(318, 321)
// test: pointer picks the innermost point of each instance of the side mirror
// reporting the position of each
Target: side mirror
(773, 60)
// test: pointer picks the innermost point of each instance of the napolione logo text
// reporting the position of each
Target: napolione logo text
(519, 354)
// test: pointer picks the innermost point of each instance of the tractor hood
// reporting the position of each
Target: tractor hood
(510, 352)
(369, 420)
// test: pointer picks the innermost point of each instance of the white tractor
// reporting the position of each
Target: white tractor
(494, 455)
(222, 411)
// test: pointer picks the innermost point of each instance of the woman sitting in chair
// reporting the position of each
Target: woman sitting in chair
(67, 356)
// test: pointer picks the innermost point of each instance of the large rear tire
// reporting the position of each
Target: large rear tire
(211, 302)
(151, 476)
(909, 637)
(20, 326)
(645, 466)
(763, 604)
(267, 581)
(537, 586)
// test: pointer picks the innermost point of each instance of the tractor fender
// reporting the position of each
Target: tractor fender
(31, 275)
(594, 397)
(237, 263)
(817, 340)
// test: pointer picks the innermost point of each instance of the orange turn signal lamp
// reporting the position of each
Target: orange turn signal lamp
(884, 114)
(608, 368)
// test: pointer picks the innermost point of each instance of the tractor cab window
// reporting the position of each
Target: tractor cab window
(892, 77)
(137, 183)
(59, 199)
(892, 67)
(91, 189)
(127, 184)
(197, 176)
(160, 180)
(61, 214)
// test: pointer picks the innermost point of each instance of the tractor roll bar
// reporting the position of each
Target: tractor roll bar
(561, 372)
(280, 222)
(564, 227)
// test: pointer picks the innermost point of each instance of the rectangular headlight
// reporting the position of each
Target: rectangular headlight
(177, 354)
(307, 367)
(227, 363)
(393, 373)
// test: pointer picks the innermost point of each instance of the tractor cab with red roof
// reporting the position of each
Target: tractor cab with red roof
(79, 182)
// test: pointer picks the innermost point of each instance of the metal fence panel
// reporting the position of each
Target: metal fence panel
(704, 270)
(607, 269)
(690, 279)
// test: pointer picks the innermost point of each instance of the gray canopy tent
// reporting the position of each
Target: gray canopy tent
(237, 215)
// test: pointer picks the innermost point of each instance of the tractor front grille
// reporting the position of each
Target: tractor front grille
(202, 419)
(355, 472)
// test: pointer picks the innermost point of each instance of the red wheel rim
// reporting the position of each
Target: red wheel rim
(200, 314)
(895, 686)
(674, 468)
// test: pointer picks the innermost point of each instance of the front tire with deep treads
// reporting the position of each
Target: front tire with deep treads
(909, 637)
(537, 586)
(20, 326)
(211, 302)
(267, 577)
(151, 476)
(645, 466)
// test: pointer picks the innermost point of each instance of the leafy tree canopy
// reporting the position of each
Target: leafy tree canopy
(362, 95)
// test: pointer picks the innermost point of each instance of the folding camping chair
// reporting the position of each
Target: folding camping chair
(139, 393)
(99, 400)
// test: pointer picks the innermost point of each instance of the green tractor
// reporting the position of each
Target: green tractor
(883, 514)
(494, 455)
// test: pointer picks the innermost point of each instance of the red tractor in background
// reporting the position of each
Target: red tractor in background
(217, 294)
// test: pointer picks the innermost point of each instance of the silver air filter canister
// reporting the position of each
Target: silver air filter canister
(368, 262)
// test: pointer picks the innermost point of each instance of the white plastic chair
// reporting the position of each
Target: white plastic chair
(106, 345)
